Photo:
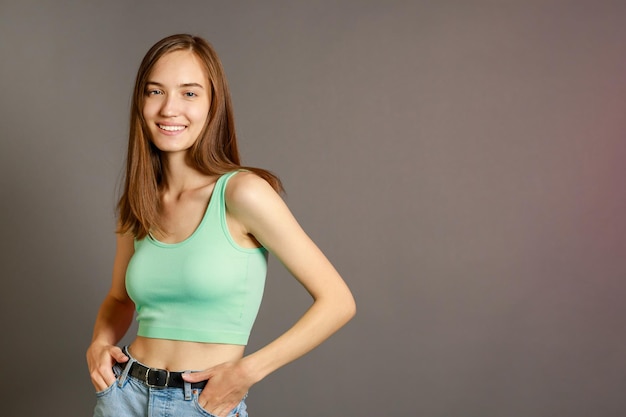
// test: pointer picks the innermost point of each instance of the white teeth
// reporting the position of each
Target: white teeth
(172, 128)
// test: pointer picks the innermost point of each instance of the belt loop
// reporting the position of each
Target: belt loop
(187, 388)
(127, 367)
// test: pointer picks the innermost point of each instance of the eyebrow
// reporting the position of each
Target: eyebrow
(184, 85)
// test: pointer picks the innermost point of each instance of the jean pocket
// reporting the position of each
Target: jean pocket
(233, 413)
(117, 372)
(107, 390)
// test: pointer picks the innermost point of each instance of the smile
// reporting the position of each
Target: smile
(171, 128)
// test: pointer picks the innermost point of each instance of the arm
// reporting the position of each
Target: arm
(262, 213)
(112, 322)
(267, 218)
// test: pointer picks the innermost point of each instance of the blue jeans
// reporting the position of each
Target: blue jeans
(129, 397)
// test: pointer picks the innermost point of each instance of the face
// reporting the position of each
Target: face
(177, 101)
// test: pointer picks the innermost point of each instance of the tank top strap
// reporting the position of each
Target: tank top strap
(218, 200)
(220, 186)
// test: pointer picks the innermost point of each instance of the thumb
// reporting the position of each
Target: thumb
(197, 376)
(118, 355)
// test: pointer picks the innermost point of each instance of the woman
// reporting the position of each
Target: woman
(193, 235)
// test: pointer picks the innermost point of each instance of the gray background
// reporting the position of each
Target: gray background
(461, 162)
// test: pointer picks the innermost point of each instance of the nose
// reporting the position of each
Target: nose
(170, 106)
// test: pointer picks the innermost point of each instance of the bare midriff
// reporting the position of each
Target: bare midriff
(176, 355)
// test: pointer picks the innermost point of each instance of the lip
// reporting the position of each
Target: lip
(171, 132)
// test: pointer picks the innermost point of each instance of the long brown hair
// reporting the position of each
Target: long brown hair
(215, 151)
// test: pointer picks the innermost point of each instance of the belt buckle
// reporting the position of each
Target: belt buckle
(158, 379)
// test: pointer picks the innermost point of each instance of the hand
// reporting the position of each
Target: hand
(100, 359)
(226, 386)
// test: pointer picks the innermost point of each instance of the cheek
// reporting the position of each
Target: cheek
(200, 116)
(201, 112)
(148, 111)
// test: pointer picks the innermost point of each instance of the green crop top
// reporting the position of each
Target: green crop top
(203, 289)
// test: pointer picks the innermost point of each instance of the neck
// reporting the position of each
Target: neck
(178, 175)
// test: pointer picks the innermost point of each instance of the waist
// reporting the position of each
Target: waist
(175, 355)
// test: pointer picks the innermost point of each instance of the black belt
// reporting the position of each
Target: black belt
(160, 378)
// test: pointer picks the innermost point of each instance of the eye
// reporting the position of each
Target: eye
(154, 92)
(190, 94)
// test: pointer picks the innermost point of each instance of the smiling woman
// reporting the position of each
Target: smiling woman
(177, 101)
(194, 232)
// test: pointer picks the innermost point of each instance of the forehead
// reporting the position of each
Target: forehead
(179, 67)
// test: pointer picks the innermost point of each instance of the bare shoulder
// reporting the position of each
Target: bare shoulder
(247, 191)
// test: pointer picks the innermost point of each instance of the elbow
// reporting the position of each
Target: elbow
(353, 308)
(352, 305)
(339, 305)
(349, 310)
